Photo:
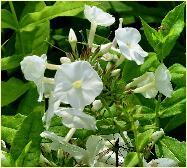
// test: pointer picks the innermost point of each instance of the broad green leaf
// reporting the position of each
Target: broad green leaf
(127, 72)
(131, 160)
(30, 130)
(29, 102)
(8, 21)
(150, 64)
(11, 90)
(33, 42)
(152, 36)
(10, 124)
(174, 122)
(174, 105)
(171, 148)
(30, 20)
(178, 74)
(143, 139)
(11, 62)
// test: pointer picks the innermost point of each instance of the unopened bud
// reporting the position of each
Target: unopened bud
(157, 135)
(72, 39)
(109, 57)
(108, 66)
(115, 72)
(105, 47)
(96, 105)
(65, 60)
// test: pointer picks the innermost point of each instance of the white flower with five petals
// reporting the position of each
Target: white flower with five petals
(77, 84)
(127, 40)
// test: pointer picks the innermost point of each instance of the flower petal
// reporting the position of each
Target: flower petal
(74, 118)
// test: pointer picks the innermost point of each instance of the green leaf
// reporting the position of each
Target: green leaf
(10, 125)
(171, 148)
(11, 62)
(33, 42)
(8, 21)
(11, 90)
(178, 75)
(30, 130)
(131, 160)
(174, 105)
(29, 102)
(174, 122)
(143, 139)
(25, 151)
(150, 64)
(164, 40)
(152, 36)
(29, 21)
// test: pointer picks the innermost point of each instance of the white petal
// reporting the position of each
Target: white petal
(52, 136)
(53, 106)
(98, 16)
(40, 88)
(74, 118)
(127, 35)
(162, 80)
(79, 71)
(33, 67)
(162, 162)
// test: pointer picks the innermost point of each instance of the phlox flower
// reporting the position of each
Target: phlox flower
(161, 162)
(98, 16)
(127, 40)
(77, 84)
(75, 118)
(33, 68)
(150, 83)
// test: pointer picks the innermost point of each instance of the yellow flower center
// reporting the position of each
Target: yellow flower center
(129, 45)
(77, 84)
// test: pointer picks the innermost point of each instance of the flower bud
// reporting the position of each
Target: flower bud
(157, 135)
(108, 66)
(109, 57)
(115, 72)
(105, 47)
(65, 60)
(96, 105)
(72, 39)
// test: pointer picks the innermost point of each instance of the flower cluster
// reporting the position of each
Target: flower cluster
(79, 81)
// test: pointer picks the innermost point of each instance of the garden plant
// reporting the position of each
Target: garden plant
(95, 84)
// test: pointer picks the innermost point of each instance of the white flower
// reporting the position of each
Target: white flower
(75, 118)
(128, 39)
(150, 83)
(161, 162)
(115, 72)
(33, 68)
(77, 84)
(98, 16)
(162, 80)
(96, 105)
(145, 85)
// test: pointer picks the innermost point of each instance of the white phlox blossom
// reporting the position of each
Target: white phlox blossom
(98, 16)
(33, 68)
(77, 84)
(150, 83)
(127, 40)
(157, 135)
(160, 162)
(75, 118)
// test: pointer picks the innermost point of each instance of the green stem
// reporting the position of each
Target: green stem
(18, 27)
(157, 109)
(135, 132)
